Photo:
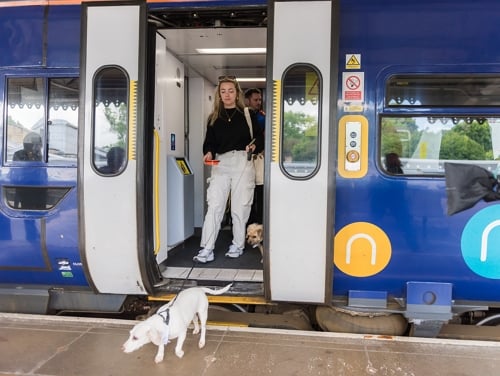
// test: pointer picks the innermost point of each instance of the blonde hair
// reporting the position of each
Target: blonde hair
(218, 106)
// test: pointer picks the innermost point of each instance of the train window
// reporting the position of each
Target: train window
(110, 120)
(443, 90)
(419, 145)
(63, 120)
(34, 198)
(27, 119)
(300, 121)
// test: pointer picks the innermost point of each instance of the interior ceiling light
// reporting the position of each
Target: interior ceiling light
(251, 79)
(222, 51)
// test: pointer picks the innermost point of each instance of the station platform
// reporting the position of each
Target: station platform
(51, 345)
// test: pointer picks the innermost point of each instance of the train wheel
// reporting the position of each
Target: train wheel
(332, 319)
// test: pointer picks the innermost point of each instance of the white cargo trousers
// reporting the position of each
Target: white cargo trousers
(235, 175)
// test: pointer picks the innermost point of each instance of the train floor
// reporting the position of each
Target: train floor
(246, 268)
(51, 345)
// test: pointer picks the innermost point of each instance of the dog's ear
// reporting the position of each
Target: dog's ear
(155, 336)
(260, 231)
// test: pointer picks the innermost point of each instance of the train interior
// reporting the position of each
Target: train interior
(187, 71)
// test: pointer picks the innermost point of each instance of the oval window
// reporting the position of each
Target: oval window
(111, 109)
(301, 88)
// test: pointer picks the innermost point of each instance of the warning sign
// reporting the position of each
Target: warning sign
(353, 82)
(312, 87)
(353, 86)
(353, 61)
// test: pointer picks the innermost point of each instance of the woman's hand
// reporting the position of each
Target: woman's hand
(250, 148)
(207, 157)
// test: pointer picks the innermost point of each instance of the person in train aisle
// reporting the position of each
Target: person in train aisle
(253, 99)
(228, 140)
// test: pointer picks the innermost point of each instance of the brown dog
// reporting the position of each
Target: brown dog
(255, 237)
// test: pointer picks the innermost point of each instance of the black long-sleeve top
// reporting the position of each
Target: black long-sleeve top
(225, 135)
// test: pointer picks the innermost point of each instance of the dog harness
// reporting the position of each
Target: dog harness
(165, 315)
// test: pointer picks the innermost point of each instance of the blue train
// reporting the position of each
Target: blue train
(370, 107)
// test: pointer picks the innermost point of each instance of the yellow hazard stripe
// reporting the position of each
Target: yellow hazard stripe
(156, 195)
(276, 124)
(132, 120)
(219, 299)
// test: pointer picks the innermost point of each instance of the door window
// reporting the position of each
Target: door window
(300, 146)
(110, 124)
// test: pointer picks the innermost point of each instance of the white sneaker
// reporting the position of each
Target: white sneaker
(234, 251)
(204, 256)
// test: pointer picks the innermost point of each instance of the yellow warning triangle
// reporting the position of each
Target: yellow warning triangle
(353, 62)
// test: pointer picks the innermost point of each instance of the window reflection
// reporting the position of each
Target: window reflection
(28, 120)
(25, 118)
(110, 120)
(300, 133)
(63, 119)
(423, 144)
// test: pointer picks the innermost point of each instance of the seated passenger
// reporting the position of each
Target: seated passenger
(115, 158)
(32, 148)
(393, 164)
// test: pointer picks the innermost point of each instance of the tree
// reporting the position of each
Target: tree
(478, 132)
(300, 136)
(467, 141)
(399, 135)
(118, 121)
(458, 146)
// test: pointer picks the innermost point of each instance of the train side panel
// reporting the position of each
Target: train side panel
(424, 242)
(394, 237)
(39, 240)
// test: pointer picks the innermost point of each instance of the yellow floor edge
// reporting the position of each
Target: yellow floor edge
(221, 299)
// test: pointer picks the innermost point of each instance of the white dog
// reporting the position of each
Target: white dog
(172, 320)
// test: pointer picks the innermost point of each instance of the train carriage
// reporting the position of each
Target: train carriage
(372, 109)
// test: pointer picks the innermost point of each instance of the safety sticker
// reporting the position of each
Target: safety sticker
(353, 86)
(353, 61)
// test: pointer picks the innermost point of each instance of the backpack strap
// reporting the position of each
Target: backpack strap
(249, 121)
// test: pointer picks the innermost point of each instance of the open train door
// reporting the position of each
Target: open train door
(303, 55)
(111, 146)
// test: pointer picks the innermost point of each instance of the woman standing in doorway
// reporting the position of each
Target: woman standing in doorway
(228, 140)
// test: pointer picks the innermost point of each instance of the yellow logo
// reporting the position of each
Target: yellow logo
(361, 249)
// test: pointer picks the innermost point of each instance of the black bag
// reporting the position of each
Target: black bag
(468, 184)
